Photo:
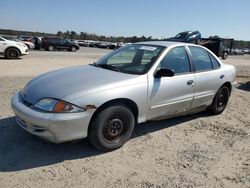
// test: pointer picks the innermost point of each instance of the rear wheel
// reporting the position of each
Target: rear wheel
(73, 49)
(51, 48)
(220, 101)
(224, 56)
(12, 53)
(111, 128)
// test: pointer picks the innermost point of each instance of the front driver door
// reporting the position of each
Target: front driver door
(169, 95)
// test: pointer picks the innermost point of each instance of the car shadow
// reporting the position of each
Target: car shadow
(244, 86)
(3, 58)
(21, 150)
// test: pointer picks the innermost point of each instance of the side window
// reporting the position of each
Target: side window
(215, 63)
(200, 59)
(1, 39)
(177, 60)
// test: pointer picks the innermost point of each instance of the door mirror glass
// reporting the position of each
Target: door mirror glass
(164, 73)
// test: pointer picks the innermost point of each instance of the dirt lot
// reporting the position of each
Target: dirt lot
(193, 151)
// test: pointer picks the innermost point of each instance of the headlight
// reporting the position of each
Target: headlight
(21, 44)
(57, 106)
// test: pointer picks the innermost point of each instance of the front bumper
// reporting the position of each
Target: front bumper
(53, 127)
(25, 52)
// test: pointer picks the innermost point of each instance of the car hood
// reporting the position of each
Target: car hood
(16, 43)
(62, 83)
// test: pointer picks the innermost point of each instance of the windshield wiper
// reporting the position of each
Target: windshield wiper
(106, 66)
(94, 64)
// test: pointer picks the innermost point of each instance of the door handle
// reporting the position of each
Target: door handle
(190, 82)
(222, 76)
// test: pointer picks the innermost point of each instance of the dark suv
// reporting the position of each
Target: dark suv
(52, 43)
(187, 36)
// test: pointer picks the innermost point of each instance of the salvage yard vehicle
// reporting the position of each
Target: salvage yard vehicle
(218, 46)
(12, 49)
(137, 83)
(221, 47)
(188, 37)
(55, 43)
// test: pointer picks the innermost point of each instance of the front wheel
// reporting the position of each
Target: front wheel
(220, 101)
(12, 53)
(111, 128)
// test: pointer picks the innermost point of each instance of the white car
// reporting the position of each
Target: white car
(12, 49)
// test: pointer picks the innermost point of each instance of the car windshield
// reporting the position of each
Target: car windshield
(132, 59)
(2, 39)
(181, 35)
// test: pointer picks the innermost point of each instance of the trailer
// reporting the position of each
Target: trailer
(219, 46)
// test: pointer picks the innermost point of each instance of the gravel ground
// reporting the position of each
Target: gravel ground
(192, 151)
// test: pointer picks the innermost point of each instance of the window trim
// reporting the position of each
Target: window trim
(211, 56)
(205, 70)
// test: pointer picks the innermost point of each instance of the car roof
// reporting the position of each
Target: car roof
(160, 43)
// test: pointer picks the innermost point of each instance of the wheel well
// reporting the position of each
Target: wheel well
(13, 48)
(121, 101)
(228, 85)
(28, 46)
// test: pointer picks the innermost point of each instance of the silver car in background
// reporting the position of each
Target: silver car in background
(137, 83)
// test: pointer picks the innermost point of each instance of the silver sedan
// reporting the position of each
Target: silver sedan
(137, 83)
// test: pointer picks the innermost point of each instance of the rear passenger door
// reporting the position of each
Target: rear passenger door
(208, 76)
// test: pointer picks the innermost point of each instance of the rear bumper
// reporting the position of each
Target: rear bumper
(52, 127)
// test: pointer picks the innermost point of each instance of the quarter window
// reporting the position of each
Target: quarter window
(176, 60)
(200, 59)
(215, 63)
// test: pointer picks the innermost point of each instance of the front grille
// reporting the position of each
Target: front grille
(21, 122)
(26, 103)
(30, 127)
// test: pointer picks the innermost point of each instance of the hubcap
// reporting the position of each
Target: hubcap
(13, 53)
(113, 129)
(222, 99)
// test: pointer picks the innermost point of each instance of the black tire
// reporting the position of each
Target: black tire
(73, 49)
(12, 53)
(51, 48)
(224, 56)
(111, 128)
(220, 101)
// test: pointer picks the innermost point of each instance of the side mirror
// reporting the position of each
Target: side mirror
(164, 73)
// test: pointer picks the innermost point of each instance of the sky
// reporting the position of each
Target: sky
(156, 18)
